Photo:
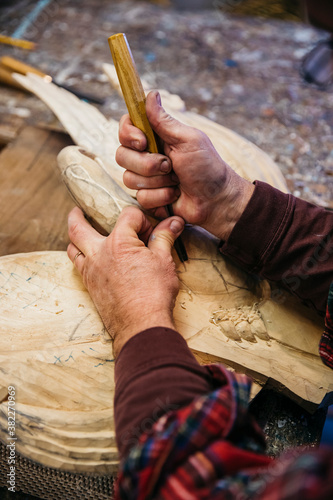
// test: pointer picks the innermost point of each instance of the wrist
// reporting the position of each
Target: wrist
(230, 209)
(138, 324)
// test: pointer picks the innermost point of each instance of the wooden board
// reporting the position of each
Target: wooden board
(56, 353)
(34, 202)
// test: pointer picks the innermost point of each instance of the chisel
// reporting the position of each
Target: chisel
(135, 100)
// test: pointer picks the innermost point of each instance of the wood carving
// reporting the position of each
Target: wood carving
(221, 310)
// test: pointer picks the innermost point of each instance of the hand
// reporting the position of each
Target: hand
(133, 286)
(191, 175)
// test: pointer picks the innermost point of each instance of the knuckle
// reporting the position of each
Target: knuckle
(130, 210)
(197, 135)
(126, 212)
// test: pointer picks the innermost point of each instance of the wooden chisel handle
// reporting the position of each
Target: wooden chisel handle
(7, 78)
(16, 66)
(135, 100)
(131, 87)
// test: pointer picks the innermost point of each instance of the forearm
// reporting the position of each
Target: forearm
(155, 373)
(285, 240)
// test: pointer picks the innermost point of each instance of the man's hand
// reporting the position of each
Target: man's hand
(133, 286)
(192, 177)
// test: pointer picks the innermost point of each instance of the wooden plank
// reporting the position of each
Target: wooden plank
(34, 201)
(7, 134)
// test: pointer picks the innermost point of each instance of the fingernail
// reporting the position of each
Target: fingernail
(158, 99)
(176, 226)
(135, 144)
(165, 166)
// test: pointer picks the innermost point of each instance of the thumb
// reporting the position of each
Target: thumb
(165, 234)
(167, 128)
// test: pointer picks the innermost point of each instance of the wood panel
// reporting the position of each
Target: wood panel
(34, 202)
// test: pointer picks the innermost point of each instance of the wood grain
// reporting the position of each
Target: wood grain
(34, 202)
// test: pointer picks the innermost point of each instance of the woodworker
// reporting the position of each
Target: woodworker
(184, 430)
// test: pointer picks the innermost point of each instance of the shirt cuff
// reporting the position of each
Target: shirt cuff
(259, 227)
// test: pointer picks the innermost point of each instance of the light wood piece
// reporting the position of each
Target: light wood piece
(86, 125)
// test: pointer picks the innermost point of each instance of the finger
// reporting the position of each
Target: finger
(76, 256)
(81, 234)
(145, 164)
(160, 213)
(130, 136)
(135, 181)
(155, 198)
(165, 234)
(132, 228)
(170, 130)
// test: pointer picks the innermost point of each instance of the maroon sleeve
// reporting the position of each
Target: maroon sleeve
(155, 372)
(285, 240)
(320, 13)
